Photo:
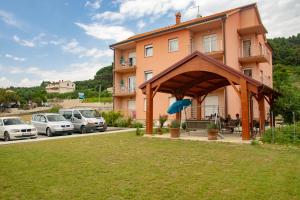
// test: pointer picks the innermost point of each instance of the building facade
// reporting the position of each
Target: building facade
(60, 87)
(234, 37)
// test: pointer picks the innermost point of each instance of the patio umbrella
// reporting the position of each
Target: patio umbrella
(177, 106)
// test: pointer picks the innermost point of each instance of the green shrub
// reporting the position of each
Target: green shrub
(138, 132)
(162, 119)
(111, 117)
(122, 122)
(212, 125)
(54, 109)
(175, 124)
(136, 124)
(282, 135)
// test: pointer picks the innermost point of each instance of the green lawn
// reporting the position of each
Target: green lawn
(96, 99)
(124, 166)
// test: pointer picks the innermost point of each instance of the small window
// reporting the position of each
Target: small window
(67, 114)
(148, 75)
(248, 72)
(148, 50)
(77, 114)
(246, 48)
(261, 74)
(210, 43)
(173, 45)
(131, 105)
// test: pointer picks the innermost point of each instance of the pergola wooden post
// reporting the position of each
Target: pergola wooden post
(149, 109)
(245, 110)
(198, 107)
(262, 113)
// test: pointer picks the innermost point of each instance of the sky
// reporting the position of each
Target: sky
(55, 40)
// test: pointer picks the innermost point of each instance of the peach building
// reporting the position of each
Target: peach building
(234, 37)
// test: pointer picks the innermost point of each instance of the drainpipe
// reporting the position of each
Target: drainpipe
(225, 62)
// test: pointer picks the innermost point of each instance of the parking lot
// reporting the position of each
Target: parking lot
(75, 134)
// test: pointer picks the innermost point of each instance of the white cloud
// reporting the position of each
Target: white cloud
(96, 4)
(109, 16)
(15, 58)
(9, 19)
(106, 32)
(22, 42)
(74, 48)
(141, 24)
(5, 82)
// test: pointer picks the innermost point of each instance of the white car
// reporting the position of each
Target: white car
(52, 124)
(14, 128)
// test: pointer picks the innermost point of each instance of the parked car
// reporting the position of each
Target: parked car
(84, 119)
(52, 124)
(14, 128)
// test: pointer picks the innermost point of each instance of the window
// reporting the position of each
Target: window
(148, 75)
(210, 43)
(76, 114)
(67, 114)
(173, 45)
(131, 84)
(131, 105)
(246, 48)
(248, 72)
(132, 59)
(148, 50)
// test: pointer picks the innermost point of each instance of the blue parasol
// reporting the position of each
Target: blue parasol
(177, 106)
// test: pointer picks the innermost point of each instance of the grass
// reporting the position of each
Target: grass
(124, 166)
(96, 99)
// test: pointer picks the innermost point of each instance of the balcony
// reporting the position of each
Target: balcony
(213, 49)
(254, 53)
(258, 29)
(124, 91)
(126, 66)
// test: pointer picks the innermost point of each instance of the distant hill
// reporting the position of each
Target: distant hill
(286, 76)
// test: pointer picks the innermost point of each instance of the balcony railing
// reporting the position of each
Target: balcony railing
(254, 53)
(124, 90)
(214, 48)
(126, 66)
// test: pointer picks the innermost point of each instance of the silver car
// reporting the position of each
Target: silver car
(14, 128)
(52, 124)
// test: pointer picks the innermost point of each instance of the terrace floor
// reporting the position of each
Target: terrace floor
(202, 136)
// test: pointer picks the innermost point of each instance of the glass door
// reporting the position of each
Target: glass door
(131, 84)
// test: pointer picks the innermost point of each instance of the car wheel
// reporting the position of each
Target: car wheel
(82, 130)
(6, 136)
(48, 132)
(70, 133)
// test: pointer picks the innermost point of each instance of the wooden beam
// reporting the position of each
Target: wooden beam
(262, 113)
(245, 110)
(235, 88)
(267, 100)
(149, 109)
(156, 89)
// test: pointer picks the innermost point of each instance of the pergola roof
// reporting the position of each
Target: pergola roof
(199, 74)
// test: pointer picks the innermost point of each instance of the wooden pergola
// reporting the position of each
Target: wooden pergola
(197, 75)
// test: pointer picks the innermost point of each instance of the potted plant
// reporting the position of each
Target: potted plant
(212, 131)
(175, 129)
(162, 119)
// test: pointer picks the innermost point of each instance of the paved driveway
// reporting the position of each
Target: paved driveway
(44, 137)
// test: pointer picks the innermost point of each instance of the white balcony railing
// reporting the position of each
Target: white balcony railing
(253, 50)
(210, 48)
(125, 89)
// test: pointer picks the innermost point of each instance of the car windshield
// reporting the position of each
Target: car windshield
(88, 113)
(12, 121)
(55, 118)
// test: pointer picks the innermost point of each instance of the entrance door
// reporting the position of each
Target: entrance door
(211, 105)
(131, 84)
